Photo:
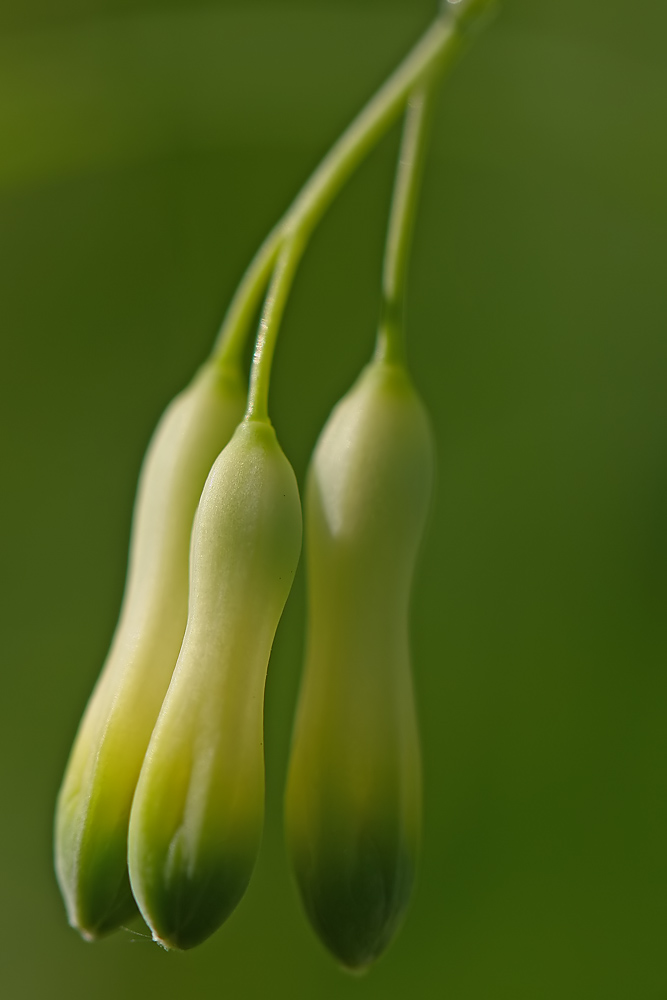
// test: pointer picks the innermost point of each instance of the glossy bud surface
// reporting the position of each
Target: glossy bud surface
(353, 801)
(96, 795)
(198, 811)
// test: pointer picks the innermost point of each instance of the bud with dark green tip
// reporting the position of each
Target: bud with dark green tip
(353, 802)
(96, 795)
(198, 810)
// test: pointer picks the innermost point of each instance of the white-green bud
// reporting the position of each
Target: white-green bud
(353, 802)
(198, 811)
(96, 795)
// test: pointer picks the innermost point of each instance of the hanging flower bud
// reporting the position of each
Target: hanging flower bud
(96, 795)
(353, 798)
(198, 810)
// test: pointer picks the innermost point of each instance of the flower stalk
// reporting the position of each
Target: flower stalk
(436, 52)
(171, 741)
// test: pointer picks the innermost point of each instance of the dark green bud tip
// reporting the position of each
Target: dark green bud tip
(355, 892)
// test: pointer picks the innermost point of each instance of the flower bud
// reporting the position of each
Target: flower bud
(198, 811)
(96, 795)
(353, 801)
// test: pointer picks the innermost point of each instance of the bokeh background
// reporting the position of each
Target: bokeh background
(146, 147)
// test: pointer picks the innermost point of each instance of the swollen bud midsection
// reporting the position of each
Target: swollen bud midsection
(96, 795)
(198, 810)
(353, 802)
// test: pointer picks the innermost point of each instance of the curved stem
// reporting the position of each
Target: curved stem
(436, 51)
(274, 306)
(469, 13)
(390, 343)
(438, 47)
(230, 341)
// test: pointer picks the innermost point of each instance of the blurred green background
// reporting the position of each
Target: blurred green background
(145, 149)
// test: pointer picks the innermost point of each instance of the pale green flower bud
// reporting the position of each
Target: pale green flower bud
(198, 810)
(353, 801)
(96, 795)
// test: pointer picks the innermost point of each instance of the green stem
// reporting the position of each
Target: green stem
(437, 48)
(436, 51)
(390, 343)
(469, 13)
(274, 306)
(229, 344)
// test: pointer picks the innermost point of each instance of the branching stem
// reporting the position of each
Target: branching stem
(434, 53)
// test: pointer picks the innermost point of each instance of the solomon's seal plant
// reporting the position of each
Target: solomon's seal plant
(353, 804)
(161, 806)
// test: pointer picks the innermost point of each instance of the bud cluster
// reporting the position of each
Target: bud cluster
(161, 806)
(162, 802)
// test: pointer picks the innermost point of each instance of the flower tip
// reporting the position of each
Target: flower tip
(355, 906)
(183, 930)
(90, 931)
(356, 971)
(89, 936)
(96, 928)
(163, 944)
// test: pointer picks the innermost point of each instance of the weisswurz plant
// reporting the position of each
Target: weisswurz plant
(161, 806)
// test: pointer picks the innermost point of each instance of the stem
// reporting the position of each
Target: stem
(390, 343)
(274, 306)
(435, 52)
(437, 48)
(469, 13)
(439, 45)
(230, 341)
